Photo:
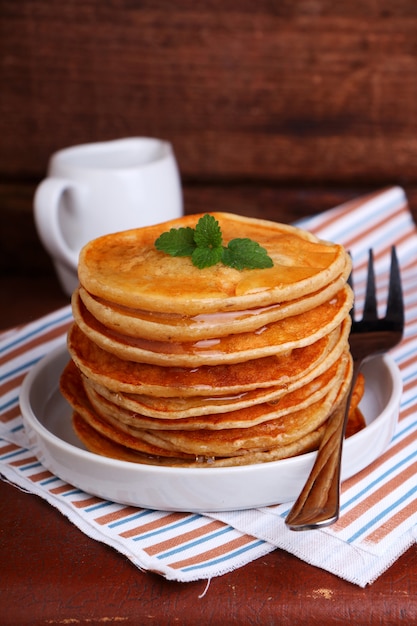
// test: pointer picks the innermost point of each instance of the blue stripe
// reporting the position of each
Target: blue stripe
(21, 368)
(97, 506)
(370, 486)
(227, 557)
(196, 542)
(17, 429)
(29, 466)
(409, 377)
(10, 455)
(72, 492)
(378, 480)
(402, 432)
(23, 338)
(409, 353)
(126, 520)
(381, 515)
(188, 520)
(9, 404)
(48, 481)
(407, 402)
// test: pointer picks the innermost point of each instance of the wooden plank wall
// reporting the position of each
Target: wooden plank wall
(275, 109)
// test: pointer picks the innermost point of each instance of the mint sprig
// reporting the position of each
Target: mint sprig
(204, 244)
(177, 242)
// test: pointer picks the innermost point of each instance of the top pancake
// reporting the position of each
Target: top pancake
(125, 268)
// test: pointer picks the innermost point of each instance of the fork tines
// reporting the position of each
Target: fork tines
(394, 316)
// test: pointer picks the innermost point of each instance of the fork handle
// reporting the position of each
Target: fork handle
(318, 504)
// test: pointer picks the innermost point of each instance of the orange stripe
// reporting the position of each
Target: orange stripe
(411, 359)
(35, 478)
(30, 459)
(11, 447)
(375, 497)
(159, 523)
(116, 515)
(364, 234)
(82, 504)
(61, 489)
(408, 267)
(405, 342)
(396, 520)
(408, 412)
(176, 541)
(409, 385)
(401, 445)
(36, 341)
(214, 553)
(10, 414)
(12, 383)
(345, 208)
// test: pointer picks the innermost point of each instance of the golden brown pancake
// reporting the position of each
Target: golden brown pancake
(100, 444)
(229, 442)
(234, 416)
(126, 269)
(178, 409)
(180, 366)
(175, 327)
(275, 338)
(104, 446)
(72, 389)
(142, 378)
(282, 430)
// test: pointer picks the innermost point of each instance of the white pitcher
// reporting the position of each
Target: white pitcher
(98, 188)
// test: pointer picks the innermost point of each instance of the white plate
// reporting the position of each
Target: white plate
(47, 419)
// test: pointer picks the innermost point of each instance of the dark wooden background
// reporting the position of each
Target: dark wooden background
(274, 108)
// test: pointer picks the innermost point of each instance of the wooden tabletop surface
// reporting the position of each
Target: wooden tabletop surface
(54, 574)
(275, 110)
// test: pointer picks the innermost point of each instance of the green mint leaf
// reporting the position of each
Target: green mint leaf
(204, 245)
(206, 257)
(246, 254)
(207, 232)
(177, 242)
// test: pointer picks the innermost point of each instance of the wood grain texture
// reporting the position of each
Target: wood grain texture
(275, 110)
(263, 102)
(72, 579)
(21, 251)
(304, 91)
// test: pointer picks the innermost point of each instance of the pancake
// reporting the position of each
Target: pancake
(180, 366)
(126, 269)
(175, 327)
(178, 408)
(120, 375)
(104, 446)
(99, 444)
(263, 436)
(275, 338)
(118, 444)
(235, 416)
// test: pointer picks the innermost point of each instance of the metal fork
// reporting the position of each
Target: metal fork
(318, 504)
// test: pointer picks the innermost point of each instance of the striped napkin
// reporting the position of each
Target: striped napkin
(379, 505)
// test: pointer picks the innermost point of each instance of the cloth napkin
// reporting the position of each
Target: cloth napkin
(378, 506)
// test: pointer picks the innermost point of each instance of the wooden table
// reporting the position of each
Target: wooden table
(277, 111)
(52, 573)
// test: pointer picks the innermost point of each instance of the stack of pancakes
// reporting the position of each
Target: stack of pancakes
(175, 365)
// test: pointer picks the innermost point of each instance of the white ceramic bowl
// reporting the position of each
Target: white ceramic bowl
(47, 419)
